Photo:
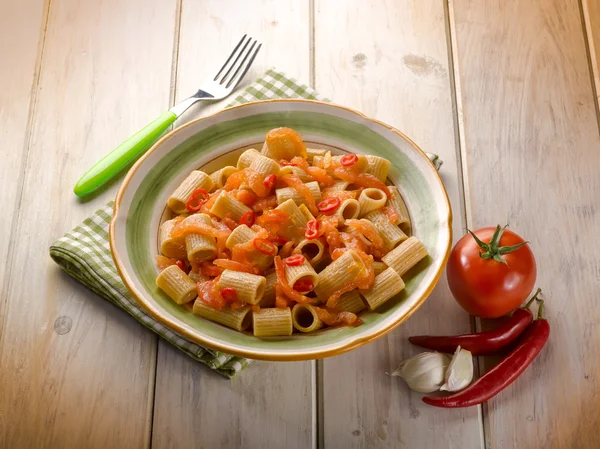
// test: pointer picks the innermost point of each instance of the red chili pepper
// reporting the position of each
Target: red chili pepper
(304, 285)
(504, 373)
(312, 230)
(229, 294)
(348, 160)
(329, 205)
(279, 240)
(270, 181)
(180, 264)
(248, 219)
(483, 343)
(194, 203)
(294, 261)
(264, 246)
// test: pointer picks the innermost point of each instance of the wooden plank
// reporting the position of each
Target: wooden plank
(270, 404)
(392, 63)
(531, 136)
(591, 15)
(76, 371)
(24, 23)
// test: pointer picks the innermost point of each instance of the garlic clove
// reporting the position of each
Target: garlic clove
(424, 372)
(460, 371)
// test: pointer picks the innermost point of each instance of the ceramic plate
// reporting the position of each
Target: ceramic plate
(212, 142)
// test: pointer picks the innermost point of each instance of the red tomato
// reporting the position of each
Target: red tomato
(491, 277)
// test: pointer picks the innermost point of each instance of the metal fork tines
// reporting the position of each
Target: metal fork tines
(227, 78)
(235, 79)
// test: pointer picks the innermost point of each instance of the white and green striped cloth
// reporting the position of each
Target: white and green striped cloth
(84, 252)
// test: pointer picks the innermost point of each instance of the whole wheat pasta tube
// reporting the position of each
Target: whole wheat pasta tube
(301, 272)
(371, 199)
(305, 318)
(226, 204)
(195, 180)
(287, 193)
(271, 322)
(399, 205)
(386, 285)
(351, 302)
(313, 250)
(338, 273)
(378, 167)
(177, 285)
(171, 247)
(200, 247)
(249, 287)
(405, 256)
(239, 319)
(391, 234)
(349, 209)
(220, 176)
(246, 158)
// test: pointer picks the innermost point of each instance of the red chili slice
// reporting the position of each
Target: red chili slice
(229, 294)
(248, 219)
(196, 200)
(295, 260)
(304, 285)
(180, 264)
(270, 181)
(329, 205)
(312, 230)
(264, 246)
(280, 240)
(348, 160)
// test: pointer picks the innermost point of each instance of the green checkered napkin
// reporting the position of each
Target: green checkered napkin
(84, 252)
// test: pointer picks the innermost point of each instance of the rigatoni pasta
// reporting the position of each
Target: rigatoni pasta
(219, 177)
(272, 322)
(386, 285)
(397, 203)
(249, 288)
(176, 284)
(287, 193)
(227, 205)
(239, 319)
(405, 256)
(170, 246)
(289, 239)
(196, 180)
(371, 199)
(392, 235)
(305, 318)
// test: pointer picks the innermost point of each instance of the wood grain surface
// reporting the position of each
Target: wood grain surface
(591, 16)
(24, 21)
(270, 405)
(77, 372)
(505, 92)
(405, 82)
(533, 149)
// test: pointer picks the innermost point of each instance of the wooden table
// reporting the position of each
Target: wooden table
(506, 92)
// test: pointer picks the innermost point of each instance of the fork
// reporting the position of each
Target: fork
(217, 88)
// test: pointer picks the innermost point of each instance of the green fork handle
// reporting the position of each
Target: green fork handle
(116, 161)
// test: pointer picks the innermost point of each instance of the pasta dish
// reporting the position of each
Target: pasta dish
(291, 239)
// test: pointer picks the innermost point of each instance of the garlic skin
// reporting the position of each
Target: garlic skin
(424, 372)
(460, 371)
